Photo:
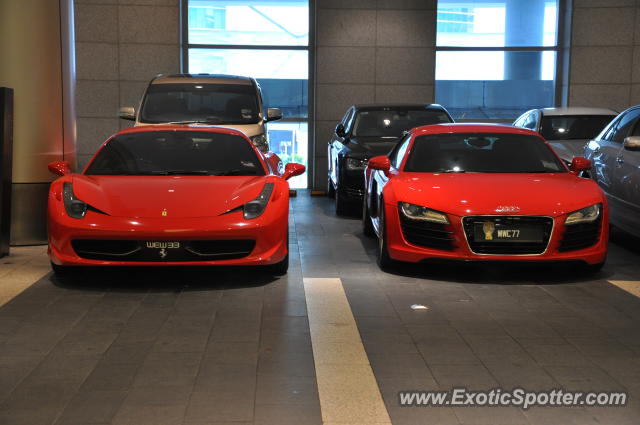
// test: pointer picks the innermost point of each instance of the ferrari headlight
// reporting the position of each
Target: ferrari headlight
(417, 212)
(255, 208)
(260, 141)
(355, 164)
(585, 215)
(75, 207)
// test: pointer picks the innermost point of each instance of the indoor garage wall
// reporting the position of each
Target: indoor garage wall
(605, 54)
(120, 46)
(369, 51)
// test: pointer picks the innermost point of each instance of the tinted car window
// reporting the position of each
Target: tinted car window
(573, 127)
(398, 152)
(482, 153)
(391, 123)
(623, 127)
(211, 103)
(177, 153)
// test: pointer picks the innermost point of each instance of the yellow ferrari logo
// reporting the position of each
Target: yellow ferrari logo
(164, 213)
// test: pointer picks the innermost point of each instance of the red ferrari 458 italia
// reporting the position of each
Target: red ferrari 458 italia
(482, 192)
(171, 196)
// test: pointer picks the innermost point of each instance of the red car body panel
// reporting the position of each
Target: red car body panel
(170, 208)
(465, 194)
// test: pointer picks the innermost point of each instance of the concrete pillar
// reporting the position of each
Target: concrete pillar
(524, 26)
(37, 57)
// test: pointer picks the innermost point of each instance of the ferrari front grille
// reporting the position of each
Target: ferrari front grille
(162, 251)
(542, 224)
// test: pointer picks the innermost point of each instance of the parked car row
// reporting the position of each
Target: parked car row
(194, 183)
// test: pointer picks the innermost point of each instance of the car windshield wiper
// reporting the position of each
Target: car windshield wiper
(217, 121)
(236, 172)
(450, 171)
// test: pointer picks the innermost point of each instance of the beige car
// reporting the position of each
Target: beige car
(206, 99)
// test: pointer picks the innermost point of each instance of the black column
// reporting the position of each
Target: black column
(6, 160)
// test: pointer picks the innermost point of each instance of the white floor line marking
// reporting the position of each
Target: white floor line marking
(348, 390)
(631, 286)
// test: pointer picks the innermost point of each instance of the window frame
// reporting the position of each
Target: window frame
(185, 46)
(561, 49)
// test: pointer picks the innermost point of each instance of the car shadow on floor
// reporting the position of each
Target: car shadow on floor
(162, 279)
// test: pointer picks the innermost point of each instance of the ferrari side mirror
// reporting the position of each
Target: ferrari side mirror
(293, 169)
(60, 168)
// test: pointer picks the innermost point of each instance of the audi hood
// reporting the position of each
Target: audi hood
(461, 194)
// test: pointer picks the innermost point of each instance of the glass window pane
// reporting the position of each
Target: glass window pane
(289, 141)
(499, 23)
(282, 74)
(257, 22)
(494, 84)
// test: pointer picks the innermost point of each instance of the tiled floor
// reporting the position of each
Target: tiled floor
(230, 346)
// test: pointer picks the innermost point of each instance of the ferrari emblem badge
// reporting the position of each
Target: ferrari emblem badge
(488, 228)
(162, 253)
(164, 212)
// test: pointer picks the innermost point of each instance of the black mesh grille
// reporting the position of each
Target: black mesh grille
(509, 248)
(162, 251)
(426, 234)
(580, 236)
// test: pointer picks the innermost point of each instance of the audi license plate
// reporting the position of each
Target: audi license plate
(494, 232)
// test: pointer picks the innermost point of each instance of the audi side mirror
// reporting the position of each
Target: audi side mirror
(381, 163)
(60, 168)
(632, 143)
(579, 164)
(273, 114)
(127, 113)
(340, 130)
(293, 169)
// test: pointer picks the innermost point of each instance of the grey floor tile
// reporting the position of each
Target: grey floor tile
(287, 414)
(284, 389)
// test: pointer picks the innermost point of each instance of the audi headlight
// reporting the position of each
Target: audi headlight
(260, 141)
(255, 208)
(585, 215)
(417, 212)
(355, 164)
(74, 206)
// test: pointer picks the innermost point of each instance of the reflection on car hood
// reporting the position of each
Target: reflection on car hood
(367, 147)
(181, 196)
(567, 149)
(482, 193)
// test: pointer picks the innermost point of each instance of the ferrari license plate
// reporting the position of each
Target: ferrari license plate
(493, 232)
(162, 250)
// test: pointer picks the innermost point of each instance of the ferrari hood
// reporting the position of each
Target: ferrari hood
(178, 196)
(484, 193)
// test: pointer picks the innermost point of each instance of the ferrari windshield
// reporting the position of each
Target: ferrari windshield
(391, 123)
(206, 103)
(577, 127)
(177, 153)
(482, 153)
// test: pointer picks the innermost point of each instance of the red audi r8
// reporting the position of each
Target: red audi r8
(482, 192)
(174, 195)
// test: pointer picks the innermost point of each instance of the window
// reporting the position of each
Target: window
(496, 59)
(264, 39)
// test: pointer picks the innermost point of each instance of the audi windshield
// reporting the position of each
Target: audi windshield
(482, 153)
(391, 123)
(177, 153)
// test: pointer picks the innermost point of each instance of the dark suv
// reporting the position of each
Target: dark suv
(367, 131)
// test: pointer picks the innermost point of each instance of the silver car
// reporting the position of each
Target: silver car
(615, 161)
(567, 129)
